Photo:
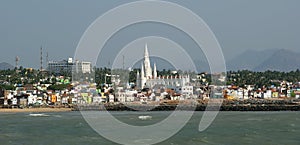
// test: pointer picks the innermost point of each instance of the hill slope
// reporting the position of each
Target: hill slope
(249, 59)
(282, 60)
(5, 66)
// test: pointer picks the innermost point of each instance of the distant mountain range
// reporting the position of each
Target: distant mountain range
(5, 66)
(255, 60)
(275, 59)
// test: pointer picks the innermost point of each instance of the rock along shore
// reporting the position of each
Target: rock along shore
(227, 105)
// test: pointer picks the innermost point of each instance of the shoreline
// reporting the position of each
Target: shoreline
(257, 108)
(34, 110)
(227, 105)
(243, 108)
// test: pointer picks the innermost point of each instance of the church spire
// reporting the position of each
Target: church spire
(143, 79)
(154, 71)
(148, 69)
(138, 79)
(146, 54)
(142, 71)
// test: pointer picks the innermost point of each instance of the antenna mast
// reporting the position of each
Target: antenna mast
(47, 59)
(17, 62)
(41, 59)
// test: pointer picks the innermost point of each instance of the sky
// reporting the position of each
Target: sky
(58, 25)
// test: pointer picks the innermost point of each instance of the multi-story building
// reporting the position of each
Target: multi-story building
(82, 67)
(58, 67)
(69, 66)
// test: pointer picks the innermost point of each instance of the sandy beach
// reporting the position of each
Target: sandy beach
(16, 110)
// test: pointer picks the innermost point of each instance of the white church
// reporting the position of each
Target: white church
(148, 78)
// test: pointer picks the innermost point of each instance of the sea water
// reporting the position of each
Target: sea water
(70, 128)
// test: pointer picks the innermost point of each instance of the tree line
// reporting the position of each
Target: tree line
(260, 79)
(104, 75)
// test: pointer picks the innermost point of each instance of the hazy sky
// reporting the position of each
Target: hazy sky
(57, 26)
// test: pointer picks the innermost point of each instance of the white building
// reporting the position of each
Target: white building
(127, 96)
(83, 67)
(149, 78)
(69, 66)
(187, 90)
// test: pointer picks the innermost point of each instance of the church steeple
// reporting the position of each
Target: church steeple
(138, 79)
(142, 72)
(143, 78)
(148, 70)
(154, 71)
(146, 54)
(148, 78)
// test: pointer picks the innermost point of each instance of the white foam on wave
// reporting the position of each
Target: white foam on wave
(146, 117)
(38, 115)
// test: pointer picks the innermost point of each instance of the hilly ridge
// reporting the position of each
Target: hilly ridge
(5, 66)
(282, 60)
(249, 59)
(275, 59)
